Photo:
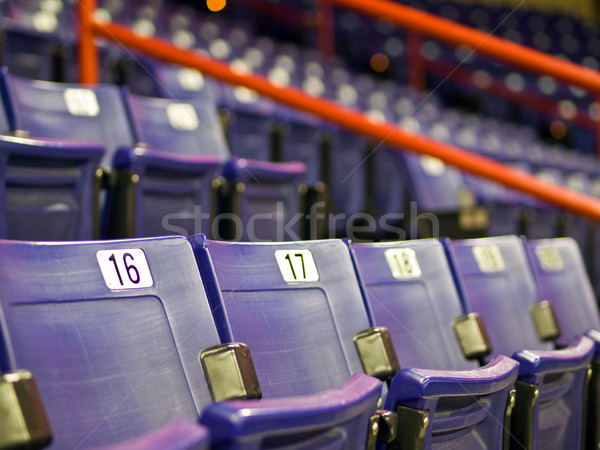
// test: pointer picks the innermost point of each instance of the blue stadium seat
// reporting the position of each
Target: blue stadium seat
(110, 330)
(561, 278)
(189, 135)
(438, 189)
(411, 292)
(154, 78)
(183, 155)
(33, 54)
(494, 279)
(298, 306)
(48, 186)
(247, 279)
(543, 219)
(302, 139)
(69, 111)
(305, 296)
(249, 123)
(113, 332)
(560, 275)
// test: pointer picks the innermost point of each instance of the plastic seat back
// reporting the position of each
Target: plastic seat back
(154, 78)
(434, 186)
(250, 124)
(186, 128)
(282, 296)
(111, 330)
(561, 277)
(47, 188)
(70, 111)
(47, 184)
(495, 280)
(298, 306)
(411, 292)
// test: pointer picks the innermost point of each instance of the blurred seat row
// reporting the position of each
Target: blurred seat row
(148, 166)
(126, 336)
(348, 174)
(109, 181)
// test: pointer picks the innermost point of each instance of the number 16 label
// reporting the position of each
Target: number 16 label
(297, 265)
(125, 269)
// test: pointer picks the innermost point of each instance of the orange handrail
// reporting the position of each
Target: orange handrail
(88, 52)
(348, 118)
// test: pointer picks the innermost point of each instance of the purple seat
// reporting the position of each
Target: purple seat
(184, 152)
(109, 333)
(301, 333)
(263, 197)
(113, 332)
(246, 282)
(250, 125)
(494, 279)
(48, 185)
(411, 292)
(48, 188)
(561, 277)
(69, 111)
(305, 296)
(153, 78)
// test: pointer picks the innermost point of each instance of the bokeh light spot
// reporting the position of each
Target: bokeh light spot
(558, 130)
(215, 5)
(380, 62)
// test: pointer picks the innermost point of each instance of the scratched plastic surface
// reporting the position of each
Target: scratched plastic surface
(111, 365)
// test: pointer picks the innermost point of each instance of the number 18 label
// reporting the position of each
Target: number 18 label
(489, 258)
(403, 262)
(125, 269)
(297, 265)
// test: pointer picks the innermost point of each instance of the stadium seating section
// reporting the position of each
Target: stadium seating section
(185, 264)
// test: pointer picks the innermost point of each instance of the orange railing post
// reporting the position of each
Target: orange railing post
(88, 52)
(416, 66)
(358, 122)
(325, 29)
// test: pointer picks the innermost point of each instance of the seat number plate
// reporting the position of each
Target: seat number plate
(125, 269)
(297, 265)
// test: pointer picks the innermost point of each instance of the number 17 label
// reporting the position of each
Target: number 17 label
(125, 269)
(297, 265)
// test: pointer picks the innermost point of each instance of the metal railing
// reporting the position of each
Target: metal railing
(487, 44)
(354, 120)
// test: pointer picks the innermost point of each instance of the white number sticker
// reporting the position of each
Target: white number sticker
(549, 258)
(489, 258)
(182, 116)
(81, 102)
(190, 79)
(125, 269)
(297, 265)
(432, 166)
(403, 262)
